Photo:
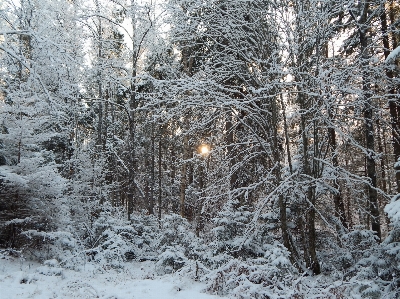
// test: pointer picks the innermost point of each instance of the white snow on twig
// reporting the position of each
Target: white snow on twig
(392, 56)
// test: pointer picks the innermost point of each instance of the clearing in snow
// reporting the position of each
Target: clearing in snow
(23, 279)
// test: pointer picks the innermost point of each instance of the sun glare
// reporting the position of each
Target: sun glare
(204, 149)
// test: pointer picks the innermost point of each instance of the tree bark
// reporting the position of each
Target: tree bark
(153, 171)
(159, 173)
(369, 127)
(281, 198)
(311, 257)
(184, 176)
(99, 78)
(230, 153)
(394, 105)
(131, 188)
(338, 199)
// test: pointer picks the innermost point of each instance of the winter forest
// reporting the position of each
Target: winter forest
(250, 146)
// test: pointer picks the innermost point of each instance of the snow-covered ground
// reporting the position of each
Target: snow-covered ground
(23, 279)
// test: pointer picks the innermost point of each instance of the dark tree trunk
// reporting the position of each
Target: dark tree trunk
(132, 156)
(311, 256)
(338, 199)
(159, 173)
(369, 127)
(394, 105)
(230, 152)
(184, 176)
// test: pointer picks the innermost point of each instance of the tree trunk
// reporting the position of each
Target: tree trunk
(394, 104)
(311, 257)
(338, 200)
(381, 151)
(369, 127)
(159, 173)
(132, 156)
(153, 171)
(131, 188)
(187, 61)
(277, 158)
(184, 176)
(99, 78)
(287, 142)
(230, 153)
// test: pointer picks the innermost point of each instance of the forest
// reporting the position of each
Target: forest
(252, 145)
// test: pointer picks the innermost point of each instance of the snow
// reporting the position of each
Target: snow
(393, 209)
(22, 279)
(393, 55)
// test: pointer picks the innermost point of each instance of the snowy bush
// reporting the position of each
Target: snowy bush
(373, 268)
(29, 198)
(147, 230)
(175, 230)
(230, 235)
(59, 245)
(171, 259)
(393, 211)
(110, 239)
(265, 277)
(113, 247)
(177, 244)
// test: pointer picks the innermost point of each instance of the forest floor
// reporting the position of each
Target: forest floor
(24, 279)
